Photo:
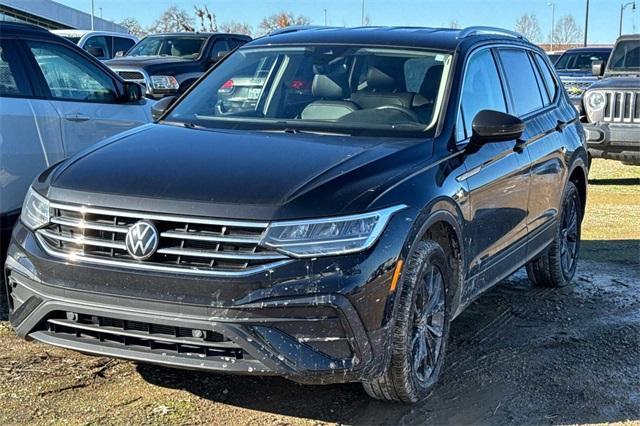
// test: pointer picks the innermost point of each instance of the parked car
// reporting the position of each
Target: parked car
(55, 100)
(101, 44)
(611, 106)
(554, 55)
(326, 241)
(574, 69)
(168, 64)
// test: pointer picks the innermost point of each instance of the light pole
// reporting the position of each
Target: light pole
(622, 8)
(586, 24)
(325, 17)
(553, 22)
(92, 15)
(362, 17)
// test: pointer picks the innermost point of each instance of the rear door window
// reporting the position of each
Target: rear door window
(121, 44)
(521, 80)
(13, 78)
(219, 46)
(97, 44)
(547, 76)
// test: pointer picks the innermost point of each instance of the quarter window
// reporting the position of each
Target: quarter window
(219, 46)
(71, 77)
(521, 80)
(481, 90)
(121, 44)
(549, 81)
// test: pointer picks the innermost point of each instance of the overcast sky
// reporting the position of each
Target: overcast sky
(603, 21)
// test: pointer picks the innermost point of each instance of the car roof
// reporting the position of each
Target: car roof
(190, 34)
(18, 28)
(629, 37)
(590, 49)
(81, 33)
(435, 38)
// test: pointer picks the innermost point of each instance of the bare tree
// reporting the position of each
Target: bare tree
(566, 31)
(207, 19)
(133, 26)
(174, 19)
(454, 24)
(528, 26)
(236, 28)
(281, 20)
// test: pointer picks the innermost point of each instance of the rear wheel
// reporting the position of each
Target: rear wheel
(556, 266)
(420, 331)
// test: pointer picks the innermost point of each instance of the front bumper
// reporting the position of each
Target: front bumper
(614, 141)
(313, 321)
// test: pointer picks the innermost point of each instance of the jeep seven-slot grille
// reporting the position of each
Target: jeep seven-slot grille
(576, 88)
(186, 244)
(622, 107)
(142, 336)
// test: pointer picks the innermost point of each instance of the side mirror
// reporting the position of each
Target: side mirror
(133, 91)
(98, 52)
(597, 68)
(119, 53)
(494, 126)
(160, 107)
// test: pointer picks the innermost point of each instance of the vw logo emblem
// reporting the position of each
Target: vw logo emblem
(142, 240)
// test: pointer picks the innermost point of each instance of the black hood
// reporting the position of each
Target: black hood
(241, 174)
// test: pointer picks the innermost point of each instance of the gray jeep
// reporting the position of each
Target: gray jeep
(611, 106)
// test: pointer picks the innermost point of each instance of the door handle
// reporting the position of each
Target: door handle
(77, 117)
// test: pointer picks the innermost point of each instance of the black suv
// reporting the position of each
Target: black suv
(324, 237)
(167, 64)
(611, 106)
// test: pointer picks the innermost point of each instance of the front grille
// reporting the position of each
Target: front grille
(131, 75)
(622, 107)
(576, 88)
(142, 336)
(188, 245)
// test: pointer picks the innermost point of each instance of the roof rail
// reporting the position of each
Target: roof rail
(296, 28)
(469, 31)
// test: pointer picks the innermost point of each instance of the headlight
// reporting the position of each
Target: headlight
(595, 100)
(35, 210)
(165, 82)
(330, 236)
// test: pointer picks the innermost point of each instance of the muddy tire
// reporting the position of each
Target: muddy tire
(421, 328)
(556, 266)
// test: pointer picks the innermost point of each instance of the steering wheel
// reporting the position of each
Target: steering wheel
(405, 111)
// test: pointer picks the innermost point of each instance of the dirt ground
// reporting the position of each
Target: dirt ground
(518, 355)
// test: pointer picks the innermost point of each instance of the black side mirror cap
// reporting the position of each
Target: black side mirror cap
(159, 108)
(495, 126)
(132, 91)
(597, 68)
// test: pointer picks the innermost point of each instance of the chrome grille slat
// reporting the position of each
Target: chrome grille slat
(177, 251)
(621, 106)
(81, 240)
(79, 223)
(191, 245)
(212, 238)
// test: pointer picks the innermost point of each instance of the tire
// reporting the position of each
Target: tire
(414, 335)
(556, 266)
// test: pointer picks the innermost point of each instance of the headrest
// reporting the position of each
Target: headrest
(431, 83)
(380, 80)
(330, 86)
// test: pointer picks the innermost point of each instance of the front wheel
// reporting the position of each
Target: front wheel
(420, 330)
(556, 266)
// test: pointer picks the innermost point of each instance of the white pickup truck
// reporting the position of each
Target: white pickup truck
(101, 44)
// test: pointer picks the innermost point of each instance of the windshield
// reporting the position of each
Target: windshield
(580, 61)
(180, 46)
(342, 89)
(626, 56)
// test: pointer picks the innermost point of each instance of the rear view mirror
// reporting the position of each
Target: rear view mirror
(495, 126)
(98, 52)
(160, 107)
(597, 68)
